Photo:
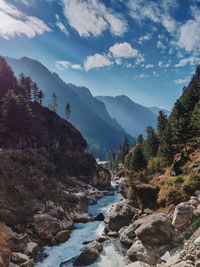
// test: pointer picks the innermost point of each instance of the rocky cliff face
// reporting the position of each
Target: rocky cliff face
(43, 190)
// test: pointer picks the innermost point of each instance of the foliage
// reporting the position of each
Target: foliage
(155, 165)
(137, 161)
(161, 122)
(151, 143)
(173, 196)
(179, 180)
(125, 147)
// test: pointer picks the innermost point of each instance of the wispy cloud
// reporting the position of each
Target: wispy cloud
(144, 38)
(142, 76)
(92, 18)
(16, 23)
(189, 60)
(62, 65)
(158, 12)
(60, 25)
(149, 66)
(181, 81)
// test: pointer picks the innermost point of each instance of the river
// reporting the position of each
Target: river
(112, 254)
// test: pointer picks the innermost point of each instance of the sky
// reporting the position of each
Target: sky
(145, 49)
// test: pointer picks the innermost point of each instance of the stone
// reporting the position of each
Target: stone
(147, 196)
(166, 256)
(99, 217)
(89, 254)
(32, 248)
(18, 257)
(140, 252)
(112, 234)
(120, 214)
(124, 240)
(197, 193)
(154, 229)
(197, 264)
(138, 264)
(183, 215)
(29, 263)
(183, 264)
(173, 260)
(197, 242)
(62, 236)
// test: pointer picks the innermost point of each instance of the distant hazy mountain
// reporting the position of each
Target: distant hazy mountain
(155, 110)
(88, 113)
(131, 116)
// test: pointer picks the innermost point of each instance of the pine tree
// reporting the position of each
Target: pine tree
(40, 96)
(16, 118)
(140, 139)
(26, 85)
(137, 161)
(7, 78)
(196, 119)
(34, 92)
(54, 104)
(161, 122)
(67, 111)
(181, 124)
(151, 143)
(166, 146)
(125, 147)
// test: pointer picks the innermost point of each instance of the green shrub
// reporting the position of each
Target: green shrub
(179, 180)
(173, 197)
(155, 165)
(192, 185)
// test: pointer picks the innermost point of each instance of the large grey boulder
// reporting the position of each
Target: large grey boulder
(183, 215)
(89, 254)
(154, 229)
(138, 264)
(140, 252)
(120, 215)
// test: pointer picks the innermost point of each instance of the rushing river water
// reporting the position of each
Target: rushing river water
(63, 254)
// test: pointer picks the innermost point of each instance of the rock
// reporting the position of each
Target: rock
(99, 217)
(82, 217)
(5, 256)
(197, 264)
(62, 236)
(18, 257)
(154, 229)
(120, 214)
(166, 256)
(32, 248)
(138, 264)
(182, 264)
(89, 254)
(101, 239)
(141, 252)
(193, 201)
(48, 226)
(197, 242)
(29, 263)
(183, 215)
(173, 260)
(15, 242)
(112, 234)
(178, 162)
(147, 196)
(197, 193)
(124, 240)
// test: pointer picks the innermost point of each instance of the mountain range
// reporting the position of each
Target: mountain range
(134, 118)
(103, 121)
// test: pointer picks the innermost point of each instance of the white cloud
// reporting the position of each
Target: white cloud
(190, 60)
(189, 36)
(123, 50)
(180, 81)
(60, 25)
(149, 66)
(97, 61)
(163, 65)
(91, 18)
(16, 23)
(144, 38)
(62, 65)
(157, 12)
(161, 45)
(142, 76)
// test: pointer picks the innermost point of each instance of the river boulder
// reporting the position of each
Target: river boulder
(140, 252)
(120, 215)
(89, 254)
(154, 229)
(183, 215)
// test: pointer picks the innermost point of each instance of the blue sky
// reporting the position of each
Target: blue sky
(145, 49)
